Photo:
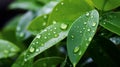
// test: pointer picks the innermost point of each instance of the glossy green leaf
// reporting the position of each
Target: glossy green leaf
(21, 32)
(19, 62)
(111, 21)
(48, 62)
(7, 49)
(38, 24)
(106, 4)
(46, 39)
(81, 34)
(47, 1)
(68, 10)
(47, 8)
(27, 5)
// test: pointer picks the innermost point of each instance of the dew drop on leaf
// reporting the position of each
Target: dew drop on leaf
(32, 49)
(85, 22)
(18, 28)
(54, 22)
(94, 24)
(38, 36)
(56, 35)
(45, 16)
(87, 14)
(44, 23)
(89, 39)
(62, 3)
(21, 34)
(79, 53)
(88, 29)
(63, 26)
(76, 49)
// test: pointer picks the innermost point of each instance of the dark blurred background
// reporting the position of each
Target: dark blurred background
(5, 13)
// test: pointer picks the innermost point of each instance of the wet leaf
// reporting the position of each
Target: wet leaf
(111, 22)
(21, 32)
(7, 49)
(19, 62)
(48, 62)
(38, 24)
(46, 39)
(106, 4)
(81, 34)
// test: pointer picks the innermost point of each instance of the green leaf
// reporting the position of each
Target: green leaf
(81, 34)
(29, 5)
(68, 10)
(48, 62)
(38, 24)
(47, 8)
(46, 39)
(106, 4)
(19, 62)
(21, 32)
(111, 21)
(47, 1)
(7, 49)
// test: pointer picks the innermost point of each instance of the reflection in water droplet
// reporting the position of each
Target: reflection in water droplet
(89, 39)
(62, 3)
(31, 49)
(87, 14)
(88, 29)
(94, 24)
(63, 26)
(76, 49)
(54, 22)
(44, 23)
(38, 36)
(79, 53)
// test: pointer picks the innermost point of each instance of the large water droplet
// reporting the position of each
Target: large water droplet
(32, 49)
(63, 26)
(76, 49)
(94, 24)
(38, 36)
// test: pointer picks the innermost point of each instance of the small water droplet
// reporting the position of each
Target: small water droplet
(62, 3)
(45, 30)
(87, 14)
(56, 35)
(104, 23)
(72, 36)
(79, 53)
(54, 22)
(84, 28)
(87, 44)
(85, 22)
(80, 31)
(90, 38)
(88, 29)
(6, 51)
(56, 9)
(42, 44)
(55, 28)
(22, 34)
(76, 49)
(44, 23)
(48, 33)
(25, 60)
(45, 16)
(33, 43)
(94, 24)
(36, 42)
(31, 49)
(37, 50)
(38, 36)
(93, 31)
(63, 26)
(91, 16)
(45, 37)
(54, 32)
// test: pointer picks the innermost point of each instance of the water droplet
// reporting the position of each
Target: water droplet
(55, 28)
(31, 49)
(72, 36)
(104, 23)
(88, 29)
(48, 33)
(25, 60)
(38, 36)
(83, 28)
(76, 49)
(12, 49)
(45, 37)
(56, 35)
(62, 3)
(45, 16)
(36, 42)
(90, 38)
(56, 9)
(87, 14)
(45, 30)
(63, 26)
(91, 16)
(42, 44)
(44, 23)
(37, 50)
(85, 22)
(21, 34)
(54, 32)
(6, 51)
(80, 31)
(54, 22)
(93, 31)
(94, 24)
(33, 43)
(79, 53)
(87, 44)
